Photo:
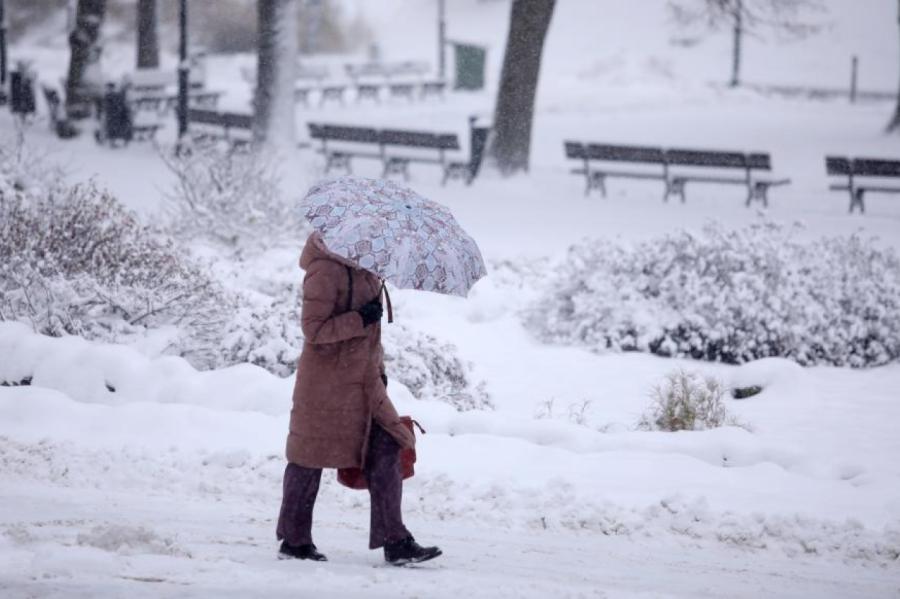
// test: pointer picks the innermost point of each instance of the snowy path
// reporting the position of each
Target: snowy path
(223, 546)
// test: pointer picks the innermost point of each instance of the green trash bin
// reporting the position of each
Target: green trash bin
(470, 65)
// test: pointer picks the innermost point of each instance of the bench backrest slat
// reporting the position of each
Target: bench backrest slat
(759, 161)
(625, 153)
(837, 165)
(447, 141)
(204, 117)
(232, 120)
(705, 158)
(237, 121)
(419, 139)
(575, 149)
(407, 138)
(873, 167)
(355, 134)
(316, 131)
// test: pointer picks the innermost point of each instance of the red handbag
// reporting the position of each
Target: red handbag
(356, 479)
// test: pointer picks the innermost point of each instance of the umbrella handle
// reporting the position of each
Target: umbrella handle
(387, 297)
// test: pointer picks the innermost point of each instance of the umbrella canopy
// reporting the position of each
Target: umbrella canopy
(395, 233)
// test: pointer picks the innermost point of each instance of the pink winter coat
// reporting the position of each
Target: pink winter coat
(338, 389)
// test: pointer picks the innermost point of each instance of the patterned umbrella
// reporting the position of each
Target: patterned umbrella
(395, 233)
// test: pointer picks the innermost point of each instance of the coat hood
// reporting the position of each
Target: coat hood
(315, 249)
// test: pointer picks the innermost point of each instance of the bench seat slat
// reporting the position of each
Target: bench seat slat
(422, 159)
(704, 179)
(624, 174)
(879, 189)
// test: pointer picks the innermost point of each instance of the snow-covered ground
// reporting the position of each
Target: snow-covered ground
(124, 472)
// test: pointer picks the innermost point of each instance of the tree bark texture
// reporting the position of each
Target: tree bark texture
(894, 124)
(276, 72)
(84, 43)
(510, 145)
(147, 35)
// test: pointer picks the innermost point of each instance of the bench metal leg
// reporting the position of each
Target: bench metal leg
(338, 161)
(758, 191)
(857, 199)
(597, 181)
(675, 187)
(455, 171)
(396, 167)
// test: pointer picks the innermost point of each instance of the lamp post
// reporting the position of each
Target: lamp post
(184, 69)
(3, 67)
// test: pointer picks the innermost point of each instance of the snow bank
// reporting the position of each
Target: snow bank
(175, 430)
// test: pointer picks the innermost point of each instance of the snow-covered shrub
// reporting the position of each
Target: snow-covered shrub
(687, 402)
(431, 369)
(227, 195)
(731, 296)
(79, 263)
(264, 331)
(24, 170)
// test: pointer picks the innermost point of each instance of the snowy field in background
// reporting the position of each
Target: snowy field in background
(123, 472)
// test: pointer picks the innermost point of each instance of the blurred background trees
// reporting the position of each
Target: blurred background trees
(785, 18)
(894, 123)
(85, 44)
(510, 144)
(273, 99)
(147, 35)
(227, 25)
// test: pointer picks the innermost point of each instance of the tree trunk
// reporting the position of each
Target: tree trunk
(894, 123)
(84, 42)
(3, 65)
(738, 35)
(276, 72)
(147, 36)
(510, 145)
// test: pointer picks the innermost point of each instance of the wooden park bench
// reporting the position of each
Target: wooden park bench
(432, 88)
(333, 91)
(354, 142)
(402, 147)
(401, 79)
(309, 79)
(674, 167)
(371, 91)
(596, 177)
(397, 149)
(163, 103)
(221, 125)
(157, 81)
(733, 168)
(873, 171)
(402, 90)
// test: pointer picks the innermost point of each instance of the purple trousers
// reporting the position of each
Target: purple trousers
(382, 472)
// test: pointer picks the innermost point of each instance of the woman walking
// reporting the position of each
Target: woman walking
(342, 416)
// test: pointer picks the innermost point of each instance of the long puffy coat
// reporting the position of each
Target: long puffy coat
(338, 390)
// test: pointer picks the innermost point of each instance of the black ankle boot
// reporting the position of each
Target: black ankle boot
(408, 551)
(300, 552)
